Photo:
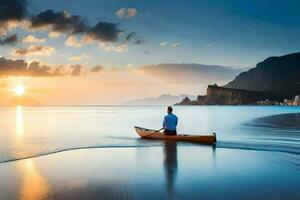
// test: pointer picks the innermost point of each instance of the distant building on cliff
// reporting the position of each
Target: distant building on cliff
(288, 102)
(297, 100)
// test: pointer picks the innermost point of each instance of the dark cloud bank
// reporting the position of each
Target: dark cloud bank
(21, 68)
(10, 67)
(62, 22)
(12, 10)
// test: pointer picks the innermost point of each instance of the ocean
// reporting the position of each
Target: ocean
(32, 131)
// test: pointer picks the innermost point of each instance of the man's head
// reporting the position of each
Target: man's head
(170, 109)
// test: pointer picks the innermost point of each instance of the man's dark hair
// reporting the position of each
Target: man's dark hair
(170, 109)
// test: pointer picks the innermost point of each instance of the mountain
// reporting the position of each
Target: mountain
(164, 99)
(191, 72)
(279, 75)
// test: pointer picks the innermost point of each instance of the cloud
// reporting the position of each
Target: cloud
(121, 12)
(76, 70)
(176, 44)
(36, 69)
(64, 22)
(126, 13)
(9, 40)
(57, 23)
(113, 48)
(12, 10)
(97, 68)
(12, 67)
(104, 31)
(79, 57)
(33, 39)
(190, 73)
(37, 50)
(131, 12)
(75, 58)
(59, 71)
(163, 44)
(54, 34)
(11, 13)
(9, 67)
(73, 42)
(115, 70)
(7, 26)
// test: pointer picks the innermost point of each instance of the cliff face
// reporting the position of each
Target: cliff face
(226, 96)
(279, 75)
(229, 96)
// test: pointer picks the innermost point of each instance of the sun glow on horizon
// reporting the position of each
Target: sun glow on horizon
(19, 90)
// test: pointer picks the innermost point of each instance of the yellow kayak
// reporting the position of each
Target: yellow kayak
(153, 134)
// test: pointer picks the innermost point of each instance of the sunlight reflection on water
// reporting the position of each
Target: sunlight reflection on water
(31, 131)
(19, 121)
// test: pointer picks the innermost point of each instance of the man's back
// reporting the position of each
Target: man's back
(170, 122)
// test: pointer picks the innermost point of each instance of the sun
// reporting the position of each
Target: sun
(19, 90)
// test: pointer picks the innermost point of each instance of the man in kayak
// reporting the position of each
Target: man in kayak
(170, 122)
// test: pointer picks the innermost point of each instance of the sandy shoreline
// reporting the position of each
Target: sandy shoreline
(174, 172)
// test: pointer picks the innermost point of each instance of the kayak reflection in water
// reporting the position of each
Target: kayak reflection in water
(170, 122)
(170, 166)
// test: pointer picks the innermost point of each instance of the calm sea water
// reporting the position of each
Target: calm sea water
(33, 131)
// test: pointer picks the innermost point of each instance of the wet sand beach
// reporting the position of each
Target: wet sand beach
(168, 172)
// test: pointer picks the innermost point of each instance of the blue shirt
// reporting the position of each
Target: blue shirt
(170, 122)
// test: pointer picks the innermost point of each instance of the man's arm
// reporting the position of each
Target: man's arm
(164, 123)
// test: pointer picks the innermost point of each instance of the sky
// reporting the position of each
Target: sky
(110, 51)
